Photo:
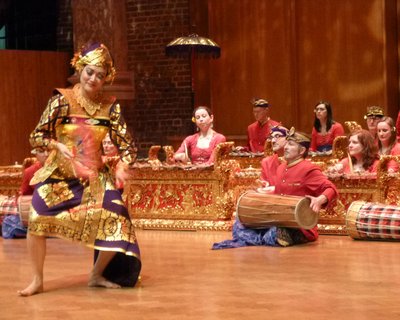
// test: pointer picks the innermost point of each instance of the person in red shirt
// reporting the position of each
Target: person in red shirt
(296, 176)
(372, 117)
(387, 132)
(363, 156)
(325, 129)
(199, 148)
(109, 149)
(271, 163)
(388, 144)
(398, 126)
(41, 156)
(259, 131)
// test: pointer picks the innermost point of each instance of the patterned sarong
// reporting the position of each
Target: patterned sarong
(273, 236)
(68, 209)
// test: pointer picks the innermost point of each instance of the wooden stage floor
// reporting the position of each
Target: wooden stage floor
(334, 278)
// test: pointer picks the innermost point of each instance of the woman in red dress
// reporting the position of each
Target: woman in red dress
(199, 147)
(387, 141)
(325, 129)
(362, 157)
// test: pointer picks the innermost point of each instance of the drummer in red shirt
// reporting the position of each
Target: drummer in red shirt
(296, 176)
(300, 177)
(259, 131)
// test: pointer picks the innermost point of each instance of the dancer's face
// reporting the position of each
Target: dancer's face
(92, 79)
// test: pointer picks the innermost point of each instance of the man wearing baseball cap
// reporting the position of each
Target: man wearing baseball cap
(372, 117)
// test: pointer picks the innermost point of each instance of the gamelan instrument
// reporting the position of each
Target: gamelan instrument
(24, 207)
(374, 221)
(260, 210)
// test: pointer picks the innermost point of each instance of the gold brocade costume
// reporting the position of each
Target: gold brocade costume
(76, 199)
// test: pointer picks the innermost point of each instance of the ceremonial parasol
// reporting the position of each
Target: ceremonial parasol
(193, 46)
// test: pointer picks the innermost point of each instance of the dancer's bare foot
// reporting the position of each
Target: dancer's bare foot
(35, 287)
(102, 282)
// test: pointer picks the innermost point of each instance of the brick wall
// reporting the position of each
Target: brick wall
(64, 27)
(162, 106)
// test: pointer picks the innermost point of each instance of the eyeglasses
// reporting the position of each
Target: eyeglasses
(276, 136)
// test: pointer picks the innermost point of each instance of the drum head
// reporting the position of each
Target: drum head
(305, 217)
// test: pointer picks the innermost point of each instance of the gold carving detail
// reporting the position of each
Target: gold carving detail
(171, 197)
(56, 193)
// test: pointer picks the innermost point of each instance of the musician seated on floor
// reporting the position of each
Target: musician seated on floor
(363, 157)
(299, 177)
(199, 148)
(12, 226)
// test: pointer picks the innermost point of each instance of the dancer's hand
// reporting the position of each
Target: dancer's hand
(121, 174)
(63, 149)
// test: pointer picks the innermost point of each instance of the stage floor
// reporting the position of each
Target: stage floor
(334, 278)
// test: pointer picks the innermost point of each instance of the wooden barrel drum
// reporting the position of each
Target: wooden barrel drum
(259, 210)
(373, 221)
(24, 207)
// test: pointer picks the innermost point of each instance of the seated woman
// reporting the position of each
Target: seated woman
(110, 152)
(387, 143)
(363, 155)
(110, 158)
(109, 149)
(199, 147)
(325, 129)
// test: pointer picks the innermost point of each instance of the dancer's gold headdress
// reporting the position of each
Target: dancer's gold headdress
(97, 55)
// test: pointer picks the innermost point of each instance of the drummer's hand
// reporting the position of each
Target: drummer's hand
(261, 183)
(317, 202)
